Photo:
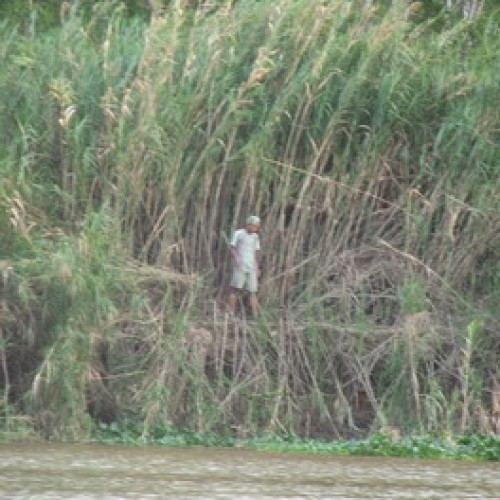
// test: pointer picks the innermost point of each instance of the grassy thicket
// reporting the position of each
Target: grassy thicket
(367, 138)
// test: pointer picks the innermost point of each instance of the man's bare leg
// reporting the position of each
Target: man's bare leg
(233, 297)
(254, 304)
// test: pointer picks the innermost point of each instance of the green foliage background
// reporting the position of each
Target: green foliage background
(134, 135)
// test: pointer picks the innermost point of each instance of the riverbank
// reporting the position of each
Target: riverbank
(365, 138)
(429, 446)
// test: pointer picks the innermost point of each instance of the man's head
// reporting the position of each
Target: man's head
(253, 224)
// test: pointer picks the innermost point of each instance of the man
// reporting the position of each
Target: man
(245, 249)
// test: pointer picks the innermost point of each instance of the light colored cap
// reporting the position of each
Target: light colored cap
(254, 220)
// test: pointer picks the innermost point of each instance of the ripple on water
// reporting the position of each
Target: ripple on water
(45, 471)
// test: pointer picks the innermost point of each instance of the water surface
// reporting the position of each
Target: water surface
(51, 471)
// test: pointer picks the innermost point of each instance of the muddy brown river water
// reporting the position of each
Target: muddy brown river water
(41, 471)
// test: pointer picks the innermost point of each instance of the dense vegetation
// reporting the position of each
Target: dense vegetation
(367, 137)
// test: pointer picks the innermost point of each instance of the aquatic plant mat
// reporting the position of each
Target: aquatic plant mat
(473, 447)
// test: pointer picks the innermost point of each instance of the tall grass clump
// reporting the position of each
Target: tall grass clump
(364, 135)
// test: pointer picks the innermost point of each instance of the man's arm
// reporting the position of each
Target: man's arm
(258, 262)
(232, 249)
(234, 255)
(257, 256)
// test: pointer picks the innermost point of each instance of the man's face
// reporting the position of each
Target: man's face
(253, 228)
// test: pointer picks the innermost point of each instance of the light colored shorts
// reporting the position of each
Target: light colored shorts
(244, 280)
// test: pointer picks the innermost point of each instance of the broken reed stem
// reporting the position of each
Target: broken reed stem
(411, 339)
(6, 377)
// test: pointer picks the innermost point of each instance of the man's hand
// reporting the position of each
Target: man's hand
(234, 257)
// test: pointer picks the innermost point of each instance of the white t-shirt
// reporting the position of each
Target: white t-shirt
(246, 245)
